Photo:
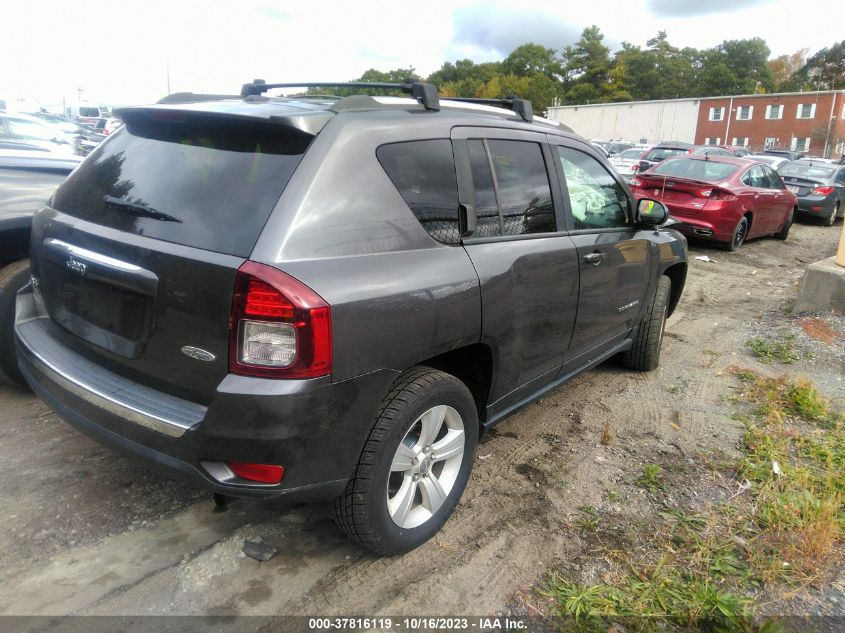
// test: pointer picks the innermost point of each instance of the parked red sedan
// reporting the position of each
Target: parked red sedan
(720, 198)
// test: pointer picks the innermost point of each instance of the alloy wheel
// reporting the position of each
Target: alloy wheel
(425, 466)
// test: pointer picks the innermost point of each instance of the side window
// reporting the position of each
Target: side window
(840, 177)
(515, 198)
(424, 173)
(597, 201)
(772, 179)
(755, 177)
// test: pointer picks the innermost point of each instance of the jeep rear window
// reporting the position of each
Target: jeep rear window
(217, 181)
(424, 173)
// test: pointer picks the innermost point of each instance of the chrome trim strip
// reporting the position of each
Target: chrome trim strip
(79, 388)
(93, 256)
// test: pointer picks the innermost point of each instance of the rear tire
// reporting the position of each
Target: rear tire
(402, 491)
(644, 354)
(831, 219)
(739, 235)
(12, 278)
(784, 231)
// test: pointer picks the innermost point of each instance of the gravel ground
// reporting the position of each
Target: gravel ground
(89, 532)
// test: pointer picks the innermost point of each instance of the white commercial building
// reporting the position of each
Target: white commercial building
(639, 121)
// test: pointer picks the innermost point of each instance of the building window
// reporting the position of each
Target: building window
(743, 142)
(717, 114)
(774, 111)
(770, 142)
(707, 141)
(806, 147)
(799, 144)
(744, 113)
(806, 111)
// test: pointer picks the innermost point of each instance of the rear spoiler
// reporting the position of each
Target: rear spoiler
(306, 122)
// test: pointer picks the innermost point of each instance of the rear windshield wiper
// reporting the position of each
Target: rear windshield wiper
(139, 209)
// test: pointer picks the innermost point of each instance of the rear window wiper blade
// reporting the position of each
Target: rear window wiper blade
(139, 209)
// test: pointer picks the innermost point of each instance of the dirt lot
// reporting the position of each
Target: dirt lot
(85, 531)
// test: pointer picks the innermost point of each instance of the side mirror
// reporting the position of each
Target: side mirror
(651, 212)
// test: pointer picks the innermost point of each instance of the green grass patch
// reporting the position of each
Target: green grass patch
(782, 350)
(650, 477)
(784, 526)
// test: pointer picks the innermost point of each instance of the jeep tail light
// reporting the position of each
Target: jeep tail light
(822, 191)
(279, 327)
(259, 473)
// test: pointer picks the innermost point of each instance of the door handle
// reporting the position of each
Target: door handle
(595, 258)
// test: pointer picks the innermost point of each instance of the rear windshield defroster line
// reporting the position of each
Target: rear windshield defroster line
(216, 181)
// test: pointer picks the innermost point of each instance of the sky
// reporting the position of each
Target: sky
(116, 53)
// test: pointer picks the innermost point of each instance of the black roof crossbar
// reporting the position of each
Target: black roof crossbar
(522, 107)
(423, 92)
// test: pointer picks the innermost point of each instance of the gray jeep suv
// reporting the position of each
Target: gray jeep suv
(330, 298)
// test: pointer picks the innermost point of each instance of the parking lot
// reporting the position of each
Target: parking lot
(85, 531)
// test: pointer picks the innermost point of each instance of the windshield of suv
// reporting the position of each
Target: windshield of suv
(662, 153)
(211, 186)
(809, 170)
(695, 169)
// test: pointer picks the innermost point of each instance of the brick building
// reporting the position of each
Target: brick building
(812, 122)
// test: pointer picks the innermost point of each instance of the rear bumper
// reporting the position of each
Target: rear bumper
(316, 429)
(717, 229)
(816, 205)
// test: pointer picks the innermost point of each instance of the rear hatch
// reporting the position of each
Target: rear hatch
(137, 252)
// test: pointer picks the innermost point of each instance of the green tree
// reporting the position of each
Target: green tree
(587, 63)
(823, 71)
(735, 67)
(529, 60)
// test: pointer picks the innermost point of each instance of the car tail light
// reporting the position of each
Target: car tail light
(721, 194)
(704, 193)
(259, 473)
(822, 191)
(636, 182)
(279, 327)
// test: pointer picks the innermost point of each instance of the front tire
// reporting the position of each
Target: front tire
(13, 277)
(644, 354)
(414, 466)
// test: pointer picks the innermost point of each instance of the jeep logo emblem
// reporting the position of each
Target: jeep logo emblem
(76, 266)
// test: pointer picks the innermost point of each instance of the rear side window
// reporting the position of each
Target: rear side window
(755, 177)
(200, 184)
(424, 174)
(773, 179)
(515, 198)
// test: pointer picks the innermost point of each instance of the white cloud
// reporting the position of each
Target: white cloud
(120, 53)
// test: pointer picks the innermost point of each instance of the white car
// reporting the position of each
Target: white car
(24, 132)
(624, 162)
(775, 162)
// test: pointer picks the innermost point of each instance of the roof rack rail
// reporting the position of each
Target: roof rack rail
(522, 107)
(190, 97)
(423, 92)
